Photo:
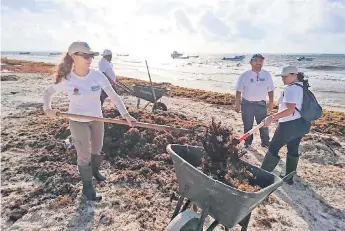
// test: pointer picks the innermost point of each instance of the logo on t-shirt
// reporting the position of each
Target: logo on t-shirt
(76, 91)
(95, 88)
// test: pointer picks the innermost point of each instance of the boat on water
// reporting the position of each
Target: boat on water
(55, 53)
(234, 58)
(122, 54)
(303, 58)
(24, 53)
(175, 55)
(193, 56)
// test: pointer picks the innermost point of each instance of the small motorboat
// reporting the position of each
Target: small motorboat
(175, 55)
(234, 58)
(55, 53)
(24, 53)
(303, 58)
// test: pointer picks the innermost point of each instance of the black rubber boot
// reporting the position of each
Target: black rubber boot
(96, 161)
(291, 166)
(270, 162)
(86, 178)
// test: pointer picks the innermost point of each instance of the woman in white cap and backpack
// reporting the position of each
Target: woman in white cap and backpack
(291, 126)
(83, 87)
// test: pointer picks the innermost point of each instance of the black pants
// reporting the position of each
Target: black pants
(251, 110)
(290, 134)
(104, 95)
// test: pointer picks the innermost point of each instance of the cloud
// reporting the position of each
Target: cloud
(214, 25)
(150, 26)
(248, 31)
(183, 21)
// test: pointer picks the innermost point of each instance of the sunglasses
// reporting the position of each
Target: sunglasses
(85, 56)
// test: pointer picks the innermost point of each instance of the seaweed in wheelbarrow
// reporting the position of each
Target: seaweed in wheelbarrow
(221, 159)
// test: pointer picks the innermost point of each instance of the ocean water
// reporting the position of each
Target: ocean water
(326, 73)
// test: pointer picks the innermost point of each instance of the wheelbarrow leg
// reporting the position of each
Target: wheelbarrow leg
(203, 216)
(146, 105)
(185, 206)
(138, 103)
(213, 226)
(245, 222)
(178, 206)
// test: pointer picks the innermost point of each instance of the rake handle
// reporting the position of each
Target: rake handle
(124, 122)
(251, 131)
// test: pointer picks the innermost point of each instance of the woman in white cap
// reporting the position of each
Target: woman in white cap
(106, 67)
(291, 126)
(83, 87)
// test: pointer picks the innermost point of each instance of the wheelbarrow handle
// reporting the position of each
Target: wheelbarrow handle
(124, 122)
(289, 176)
(250, 132)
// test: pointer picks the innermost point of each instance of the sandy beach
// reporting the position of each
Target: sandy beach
(40, 185)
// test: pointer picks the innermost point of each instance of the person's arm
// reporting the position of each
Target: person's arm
(239, 87)
(290, 100)
(270, 92)
(111, 81)
(116, 100)
(47, 98)
(271, 100)
(238, 101)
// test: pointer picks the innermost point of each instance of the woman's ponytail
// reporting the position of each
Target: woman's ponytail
(63, 68)
(300, 77)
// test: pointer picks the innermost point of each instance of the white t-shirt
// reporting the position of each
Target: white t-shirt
(106, 67)
(255, 87)
(84, 93)
(291, 94)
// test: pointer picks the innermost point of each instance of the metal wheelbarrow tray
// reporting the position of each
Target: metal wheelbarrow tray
(227, 205)
(145, 92)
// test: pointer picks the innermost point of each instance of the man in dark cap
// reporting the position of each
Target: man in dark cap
(252, 88)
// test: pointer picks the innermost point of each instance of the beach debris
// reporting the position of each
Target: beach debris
(222, 158)
(9, 78)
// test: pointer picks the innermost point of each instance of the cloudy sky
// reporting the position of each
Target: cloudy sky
(227, 26)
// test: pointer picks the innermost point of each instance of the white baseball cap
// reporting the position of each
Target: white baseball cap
(107, 52)
(80, 46)
(288, 70)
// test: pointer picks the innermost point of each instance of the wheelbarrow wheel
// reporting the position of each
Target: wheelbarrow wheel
(161, 106)
(185, 221)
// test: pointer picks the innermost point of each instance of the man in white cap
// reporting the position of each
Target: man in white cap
(106, 67)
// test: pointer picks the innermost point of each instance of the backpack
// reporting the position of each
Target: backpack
(311, 109)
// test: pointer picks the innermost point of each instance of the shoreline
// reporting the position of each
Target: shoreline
(23, 66)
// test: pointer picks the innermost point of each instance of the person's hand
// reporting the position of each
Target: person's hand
(237, 107)
(52, 113)
(270, 106)
(130, 120)
(268, 120)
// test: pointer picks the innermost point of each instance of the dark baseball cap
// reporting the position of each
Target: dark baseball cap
(257, 56)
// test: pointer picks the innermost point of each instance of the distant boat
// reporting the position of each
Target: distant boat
(24, 53)
(122, 54)
(193, 56)
(234, 58)
(175, 55)
(302, 58)
(55, 53)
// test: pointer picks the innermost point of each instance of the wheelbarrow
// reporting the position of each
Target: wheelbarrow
(227, 205)
(145, 93)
